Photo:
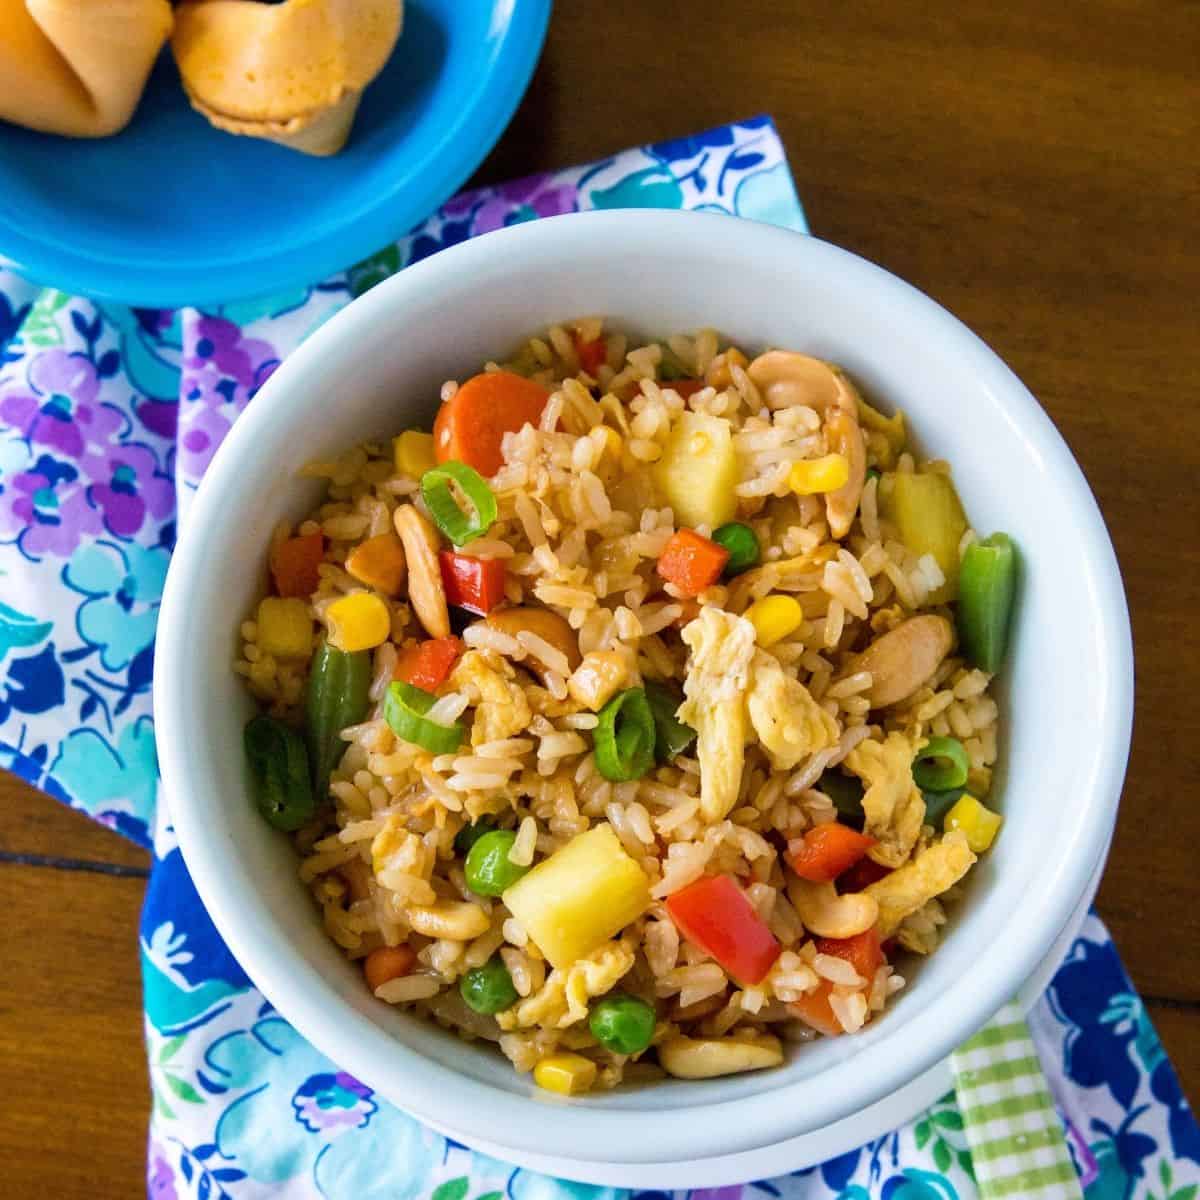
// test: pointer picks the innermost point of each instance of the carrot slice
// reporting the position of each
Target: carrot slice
(294, 564)
(472, 423)
(692, 562)
(379, 563)
(825, 851)
(387, 963)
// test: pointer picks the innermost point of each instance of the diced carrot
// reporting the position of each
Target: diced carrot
(476, 584)
(863, 951)
(591, 354)
(814, 1009)
(387, 963)
(472, 423)
(294, 564)
(379, 563)
(825, 851)
(692, 562)
(427, 664)
(860, 876)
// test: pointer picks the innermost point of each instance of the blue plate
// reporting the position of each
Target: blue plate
(173, 212)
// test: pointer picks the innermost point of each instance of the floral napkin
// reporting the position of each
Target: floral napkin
(108, 418)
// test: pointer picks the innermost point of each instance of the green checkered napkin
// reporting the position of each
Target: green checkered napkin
(1017, 1143)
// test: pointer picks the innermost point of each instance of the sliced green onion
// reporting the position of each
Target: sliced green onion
(624, 739)
(444, 507)
(938, 804)
(279, 766)
(940, 765)
(671, 735)
(846, 792)
(671, 368)
(742, 545)
(987, 585)
(404, 709)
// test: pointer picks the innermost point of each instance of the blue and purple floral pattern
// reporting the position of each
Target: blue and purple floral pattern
(108, 419)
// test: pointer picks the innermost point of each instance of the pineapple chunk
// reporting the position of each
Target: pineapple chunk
(580, 896)
(698, 471)
(929, 516)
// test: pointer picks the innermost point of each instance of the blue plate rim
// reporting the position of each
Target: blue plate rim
(442, 170)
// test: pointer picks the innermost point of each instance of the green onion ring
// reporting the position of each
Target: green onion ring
(404, 709)
(444, 508)
(941, 765)
(624, 738)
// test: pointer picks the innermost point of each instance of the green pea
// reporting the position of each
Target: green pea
(468, 835)
(488, 989)
(489, 870)
(742, 545)
(622, 1023)
(279, 767)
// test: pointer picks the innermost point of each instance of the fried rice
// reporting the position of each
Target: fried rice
(582, 523)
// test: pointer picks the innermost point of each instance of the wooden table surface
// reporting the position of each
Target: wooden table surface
(1033, 167)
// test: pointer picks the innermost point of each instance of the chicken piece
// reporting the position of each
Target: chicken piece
(938, 867)
(790, 724)
(722, 649)
(892, 802)
(501, 710)
(563, 999)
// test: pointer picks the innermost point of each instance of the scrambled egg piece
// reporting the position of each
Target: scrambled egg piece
(790, 724)
(892, 802)
(399, 861)
(936, 868)
(918, 932)
(563, 999)
(723, 648)
(501, 710)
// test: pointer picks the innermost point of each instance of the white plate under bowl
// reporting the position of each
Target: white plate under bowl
(793, 1154)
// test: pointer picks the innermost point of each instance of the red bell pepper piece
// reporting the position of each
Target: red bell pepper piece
(476, 584)
(860, 876)
(692, 562)
(427, 664)
(685, 387)
(825, 851)
(714, 914)
(294, 564)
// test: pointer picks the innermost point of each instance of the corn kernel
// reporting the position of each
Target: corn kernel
(566, 1074)
(976, 820)
(413, 453)
(285, 627)
(810, 476)
(358, 622)
(774, 617)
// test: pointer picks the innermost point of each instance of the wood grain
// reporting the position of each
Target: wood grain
(1035, 168)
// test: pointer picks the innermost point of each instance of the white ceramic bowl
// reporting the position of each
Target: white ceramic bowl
(375, 369)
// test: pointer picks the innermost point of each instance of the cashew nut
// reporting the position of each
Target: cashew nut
(901, 660)
(843, 436)
(598, 678)
(786, 379)
(543, 623)
(425, 588)
(457, 920)
(827, 914)
(706, 1058)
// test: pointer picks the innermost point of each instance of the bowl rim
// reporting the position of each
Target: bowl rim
(530, 1123)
